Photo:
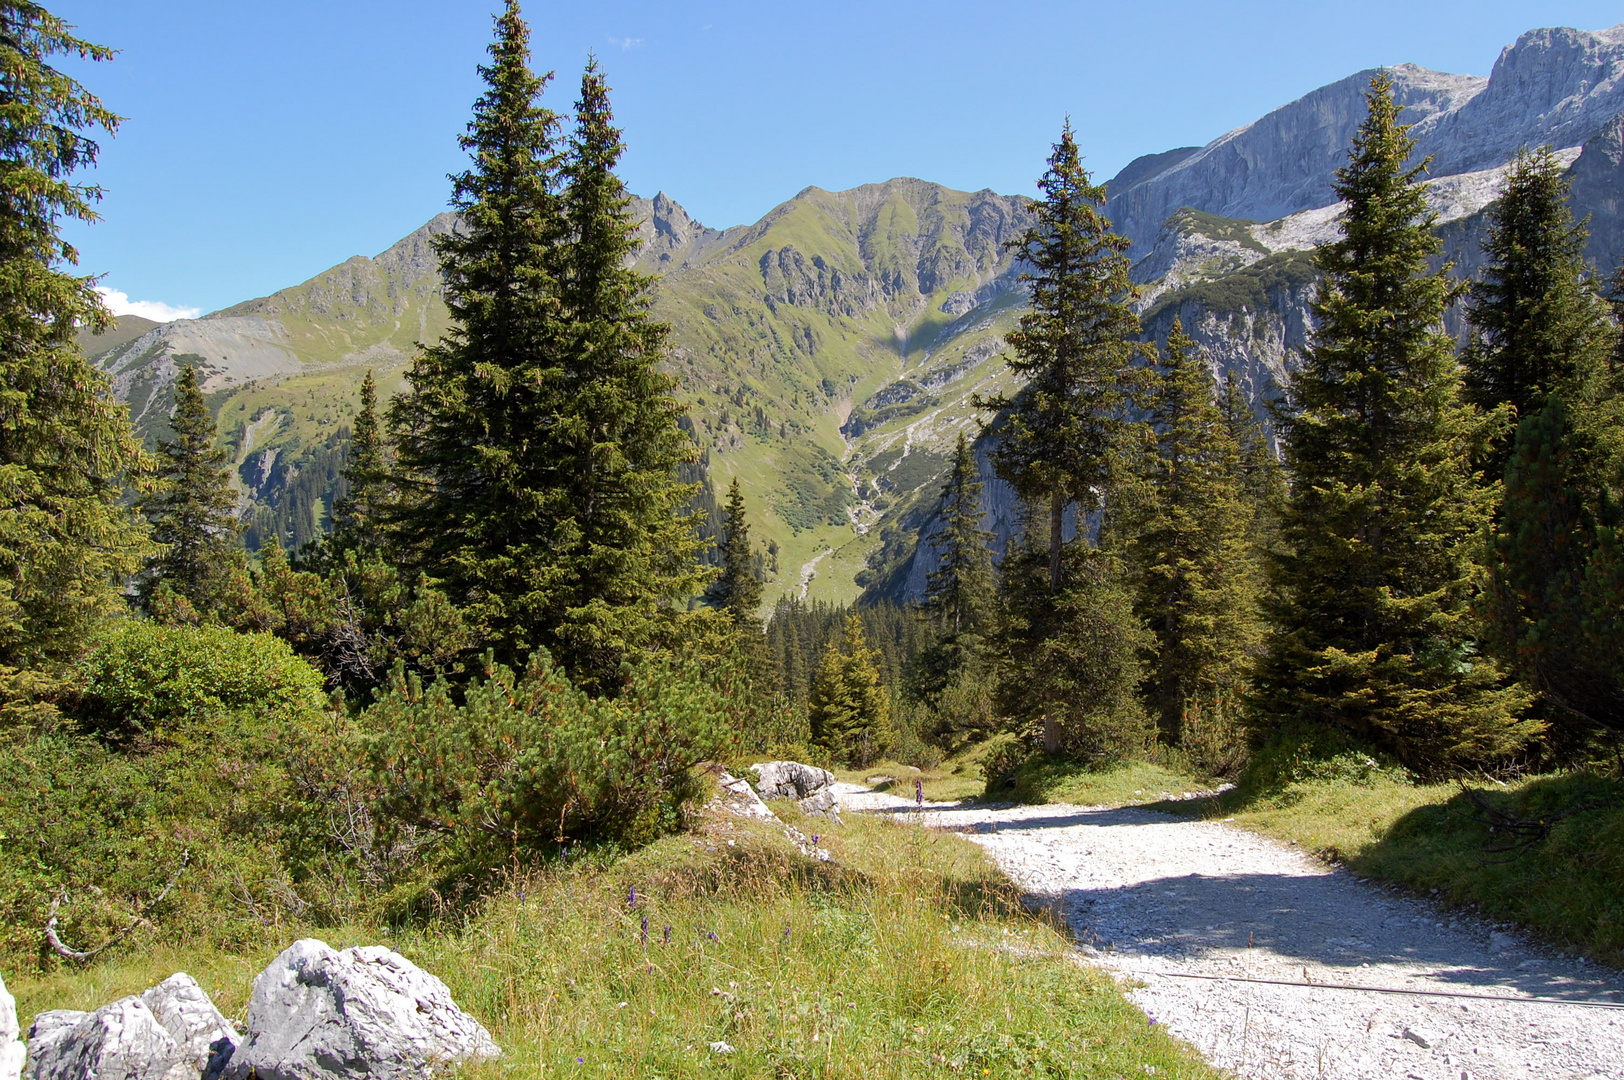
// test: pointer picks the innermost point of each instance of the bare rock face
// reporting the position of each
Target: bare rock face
(825, 803)
(121, 1041)
(207, 1040)
(790, 779)
(363, 1012)
(738, 798)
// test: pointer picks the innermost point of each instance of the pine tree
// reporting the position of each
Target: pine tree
(1371, 625)
(1538, 325)
(1262, 481)
(959, 593)
(1191, 549)
(737, 591)
(848, 710)
(1065, 436)
(358, 516)
(193, 513)
(1065, 443)
(1535, 607)
(624, 542)
(476, 450)
(67, 453)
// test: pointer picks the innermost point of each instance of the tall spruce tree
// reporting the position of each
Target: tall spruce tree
(1542, 345)
(1539, 326)
(193, 512)
(1262, 480)
(960, 592)
(1066, 441)
(1064, 436)
(1190, 548)
(623, 542)
(539, 443)
(358, 516)
(737, 590)
(1372, 632)
(477, 457)
(848, 710)
(67, 453)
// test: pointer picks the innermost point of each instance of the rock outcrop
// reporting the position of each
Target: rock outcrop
(790, 779)
(364, 1012)
(120, 1041)
(205, 1038)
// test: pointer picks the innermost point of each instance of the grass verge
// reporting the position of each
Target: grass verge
(907, 956)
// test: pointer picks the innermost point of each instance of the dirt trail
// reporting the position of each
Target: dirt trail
(1159, 899)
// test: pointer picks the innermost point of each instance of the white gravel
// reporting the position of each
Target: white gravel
(1153, 897)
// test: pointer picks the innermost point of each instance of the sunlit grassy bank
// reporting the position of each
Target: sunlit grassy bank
(906, 956)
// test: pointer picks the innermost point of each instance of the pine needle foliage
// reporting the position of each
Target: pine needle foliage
(737, 590)
(1190, 549)
(193, 513)
(67, 453)
(474, 457)
(849, 712)
(1538, 325)
(1064, 437)
(358, 515)
(539, 443)
(960, 595)
(1372, 631)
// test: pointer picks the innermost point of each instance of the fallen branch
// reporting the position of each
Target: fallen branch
(80, 957)
(1520, 833)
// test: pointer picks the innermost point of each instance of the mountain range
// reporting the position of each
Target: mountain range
(830, 352)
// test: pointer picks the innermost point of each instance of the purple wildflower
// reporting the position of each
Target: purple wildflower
(712, 935)
(814, 839)
(919, 792)
(580, 1061)
(631, 897)
(644, 935)
(668, 935)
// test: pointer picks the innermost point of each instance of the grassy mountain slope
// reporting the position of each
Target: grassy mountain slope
(828, 352)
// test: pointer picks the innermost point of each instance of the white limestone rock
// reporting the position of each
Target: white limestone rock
(363, 1012)
(790, 779)
(12, 1051)
(823, 804)
(205, 1037)
(738, 798)
(121, 1041)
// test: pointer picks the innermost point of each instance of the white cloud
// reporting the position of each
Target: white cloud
(627, 43)
(120, 304)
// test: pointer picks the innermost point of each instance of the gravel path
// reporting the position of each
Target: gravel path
(1157, 898)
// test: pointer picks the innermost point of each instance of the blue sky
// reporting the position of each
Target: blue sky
(265, 142)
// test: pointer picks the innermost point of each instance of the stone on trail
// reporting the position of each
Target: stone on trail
(206, 1038)
(121, 1041)
(737, 797)
(790, 779)
(363, 1012)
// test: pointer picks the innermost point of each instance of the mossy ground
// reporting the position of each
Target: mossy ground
(907, 956)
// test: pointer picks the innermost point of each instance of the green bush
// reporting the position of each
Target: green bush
(182, 774)
(525, 765)
(1304, 754)
(151, 678)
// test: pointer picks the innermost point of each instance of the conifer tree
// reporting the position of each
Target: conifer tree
(1066, 441)
(476, 450)
(1262, 481)
(1190, 547)
(358, 516)
(1542, 344)
(1371, 626)
(67, 453)
(1538, 325)
(625, 545)
(737, 591)
(193, 511)
(1066, 435)
(959, 593)
(848, 710)
(960, 602)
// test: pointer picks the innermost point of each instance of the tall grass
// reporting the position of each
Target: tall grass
(908, 955)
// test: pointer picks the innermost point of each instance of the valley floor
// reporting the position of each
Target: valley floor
(1183, 910)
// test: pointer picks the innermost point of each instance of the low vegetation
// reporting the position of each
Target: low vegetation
(907, 955)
